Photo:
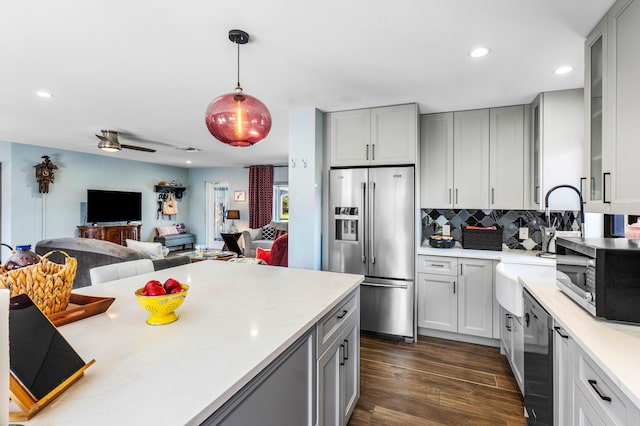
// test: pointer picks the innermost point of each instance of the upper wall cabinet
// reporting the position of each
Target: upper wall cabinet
(473, 159)
(374, 137)
(611, 76)
(557, 147)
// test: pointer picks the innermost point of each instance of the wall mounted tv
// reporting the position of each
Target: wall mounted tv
(113, 206)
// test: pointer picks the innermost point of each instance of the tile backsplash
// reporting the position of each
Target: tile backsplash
(509, 220)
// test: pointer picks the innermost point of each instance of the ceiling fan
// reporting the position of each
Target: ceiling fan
(109, 142)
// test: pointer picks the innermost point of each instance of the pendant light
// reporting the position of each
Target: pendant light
(238, 119)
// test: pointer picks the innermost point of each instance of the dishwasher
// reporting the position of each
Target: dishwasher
(538, 362)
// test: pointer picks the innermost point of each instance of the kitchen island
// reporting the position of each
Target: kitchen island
(237, 320)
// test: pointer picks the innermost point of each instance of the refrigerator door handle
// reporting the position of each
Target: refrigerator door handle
(363, 253)
(369, 284)
(373, 221)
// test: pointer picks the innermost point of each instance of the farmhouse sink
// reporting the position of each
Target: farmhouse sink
(509, 288)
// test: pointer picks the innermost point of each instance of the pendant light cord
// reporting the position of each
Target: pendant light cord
(238, 64)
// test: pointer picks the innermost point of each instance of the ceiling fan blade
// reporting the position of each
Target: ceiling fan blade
(137, 148)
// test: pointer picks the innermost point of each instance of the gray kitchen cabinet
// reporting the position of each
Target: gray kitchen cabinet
(512, 343)
(596, 93)
(563, 398)
(374, 136)
(556, 149)
(460, 300)
(274, 397)
(470, 159)
(473, 159)
(338, 363)
(506, 157)
(436, 160)
(620, 169)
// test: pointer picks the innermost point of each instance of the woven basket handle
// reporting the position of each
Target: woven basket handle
(54, 251)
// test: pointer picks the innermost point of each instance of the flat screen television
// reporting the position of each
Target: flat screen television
(113, 206)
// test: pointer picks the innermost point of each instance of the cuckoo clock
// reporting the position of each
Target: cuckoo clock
(44, 174)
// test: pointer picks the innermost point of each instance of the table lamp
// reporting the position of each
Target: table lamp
(233, 215)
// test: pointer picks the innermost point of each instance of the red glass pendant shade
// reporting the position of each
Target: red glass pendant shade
(238, 119)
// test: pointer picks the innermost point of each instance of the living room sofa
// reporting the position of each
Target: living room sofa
(254, 238)
(176, 241)
(91, 253)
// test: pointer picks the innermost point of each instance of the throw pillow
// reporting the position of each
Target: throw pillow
(166, 230)
(154, 250)
(181, 228)
(279, 233)
(264, 254)
(268, 232)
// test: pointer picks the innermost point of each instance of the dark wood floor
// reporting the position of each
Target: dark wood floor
(435, 382)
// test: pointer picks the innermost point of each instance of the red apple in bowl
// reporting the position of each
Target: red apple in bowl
(170, 284)
(176, 290)
(152, 283)
(155, 290)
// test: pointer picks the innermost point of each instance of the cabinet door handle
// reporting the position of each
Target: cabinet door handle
(594, 385)
(560, 333)
(342, 355)
(583, 189)
(436, 265)
(461, 270)
(373, 151)
(344, 312)
(346, 350)
(604, 187)
(536, 195)
(449, 195)
(367, 151)
(493, 196)
(456, 195)
(507, 322)
(454, 287)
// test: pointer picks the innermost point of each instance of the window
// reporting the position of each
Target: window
(281, 201)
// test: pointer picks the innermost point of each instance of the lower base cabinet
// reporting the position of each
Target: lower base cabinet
(338, 367)
(512, 342)
(456, 295)
(316, 381)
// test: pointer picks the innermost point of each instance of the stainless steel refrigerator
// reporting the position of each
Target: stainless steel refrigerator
(372, 232)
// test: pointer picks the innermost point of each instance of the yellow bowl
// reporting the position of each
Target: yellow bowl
(162, 307)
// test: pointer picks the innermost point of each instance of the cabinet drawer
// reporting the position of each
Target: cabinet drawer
(591, 380)
(438, 265)
(330, 327)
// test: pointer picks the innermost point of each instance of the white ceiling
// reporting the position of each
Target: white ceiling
(152, 67)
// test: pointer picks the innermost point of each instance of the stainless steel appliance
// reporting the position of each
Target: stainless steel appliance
(372, 232)
(538, 362)
(602, 275)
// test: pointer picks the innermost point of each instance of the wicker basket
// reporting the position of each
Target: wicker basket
(47, 283)
(482, 239)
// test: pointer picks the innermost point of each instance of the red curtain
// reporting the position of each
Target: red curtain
(260, 195)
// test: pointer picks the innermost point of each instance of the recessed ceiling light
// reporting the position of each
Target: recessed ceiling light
(44, 94)
(188, 161)
(480, 52)
(563, 70)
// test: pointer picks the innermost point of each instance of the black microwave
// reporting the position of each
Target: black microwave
(602, 275)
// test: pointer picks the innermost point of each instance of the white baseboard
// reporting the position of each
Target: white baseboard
(458, 337)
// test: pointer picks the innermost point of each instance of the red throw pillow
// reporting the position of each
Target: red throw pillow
(263, 254)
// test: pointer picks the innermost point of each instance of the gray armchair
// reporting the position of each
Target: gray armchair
(253, 238)
(91, 253)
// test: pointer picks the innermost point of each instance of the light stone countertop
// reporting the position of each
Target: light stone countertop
(524, 257)
(236, 319)
(615, 347)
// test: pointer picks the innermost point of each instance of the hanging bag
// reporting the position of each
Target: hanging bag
(170, 206)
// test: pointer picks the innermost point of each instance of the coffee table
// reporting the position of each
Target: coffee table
(210, 254)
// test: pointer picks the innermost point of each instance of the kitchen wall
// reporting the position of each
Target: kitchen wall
(509, 220)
